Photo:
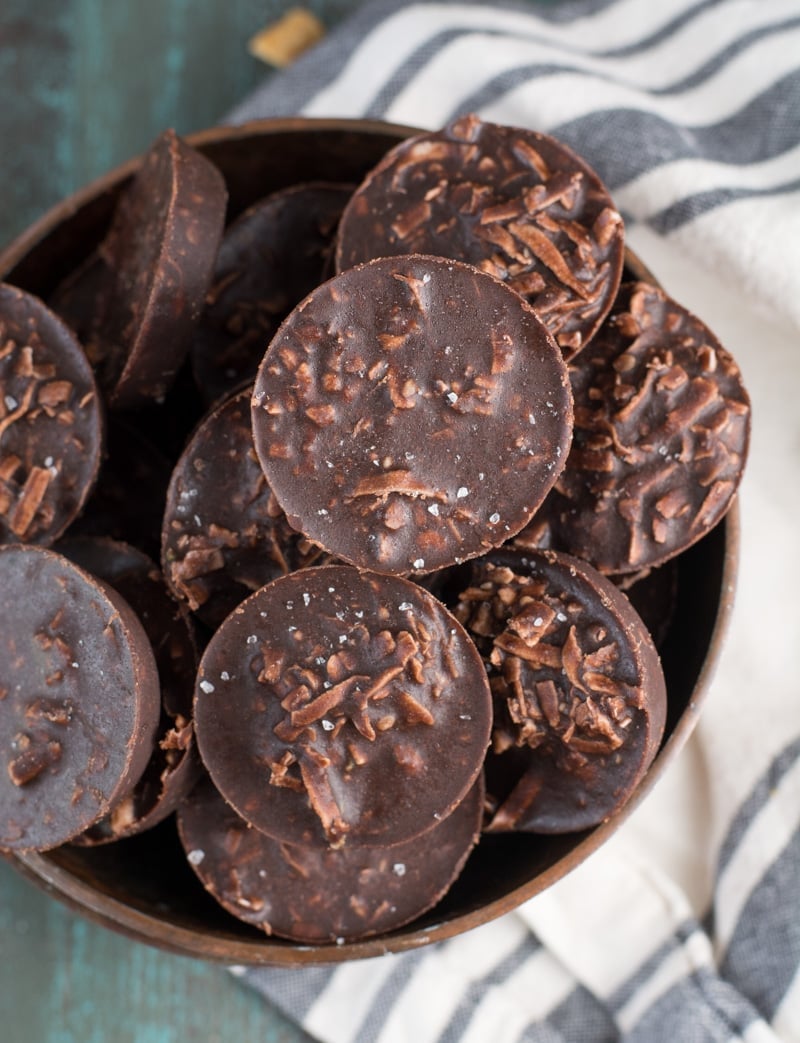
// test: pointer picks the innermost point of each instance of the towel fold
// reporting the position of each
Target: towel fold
(686, 925)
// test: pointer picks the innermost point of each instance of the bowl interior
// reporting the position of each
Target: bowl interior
(143, 886)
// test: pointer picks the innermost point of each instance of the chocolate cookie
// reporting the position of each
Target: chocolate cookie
(50, 424)
(580, 698)
(517, 204)
(174, 766)
(340, 705)
(224, 534)
(269, 259)
(410, 413)
(135, 302)
(316, 894)
(79, 699)
(662, 425)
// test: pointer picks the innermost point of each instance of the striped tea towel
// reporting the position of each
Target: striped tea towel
(686, 925)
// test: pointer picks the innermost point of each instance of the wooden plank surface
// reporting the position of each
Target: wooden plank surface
(87, 84)
(66, 980)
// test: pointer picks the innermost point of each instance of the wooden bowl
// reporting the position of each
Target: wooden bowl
(143, 887)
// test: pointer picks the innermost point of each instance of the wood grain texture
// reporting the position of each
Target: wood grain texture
(87, 84)
(66, 980)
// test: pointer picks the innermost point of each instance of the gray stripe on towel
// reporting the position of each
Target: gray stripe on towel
(293, 990)
(580, 1018)
(471, 999)
(764, 953)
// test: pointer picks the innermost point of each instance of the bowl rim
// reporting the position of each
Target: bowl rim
(140, 926)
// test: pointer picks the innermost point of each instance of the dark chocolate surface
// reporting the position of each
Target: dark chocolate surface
(173, 766)
(410, 413)
(269, 259)
(580, 697)
(518, 204)
(342, 705)
(50, 423)
(316, 894)
(662, 425)
(134, 303)
(79, 698)
(224, 534)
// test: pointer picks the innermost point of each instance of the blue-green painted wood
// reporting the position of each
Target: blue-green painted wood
(64, 979)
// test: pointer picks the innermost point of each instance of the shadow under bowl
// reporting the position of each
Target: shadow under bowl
(143, 887)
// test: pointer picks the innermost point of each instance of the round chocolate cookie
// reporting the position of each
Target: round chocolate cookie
(269, 259)
(662, 426)
(50, 423)
(517, 204)
(579, 694)
(314, 893)
(410, 413)
(173, 766)
(135, 302)
(224, 534)
(340, 705)
(79, 699)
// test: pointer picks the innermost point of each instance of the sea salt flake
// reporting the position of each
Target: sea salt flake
(399, 869)
(306, 599)
(494, 518)
(538, 621)
(461, 492)
(418, 563)
(11, 402)
(48, 461)
(224, 676)
(452, 397)
(434, 509)
(405, 606)
(207, 687)
(196, 856)
(252, 639)
(327, 725)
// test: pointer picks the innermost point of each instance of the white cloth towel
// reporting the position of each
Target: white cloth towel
(685, 926)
